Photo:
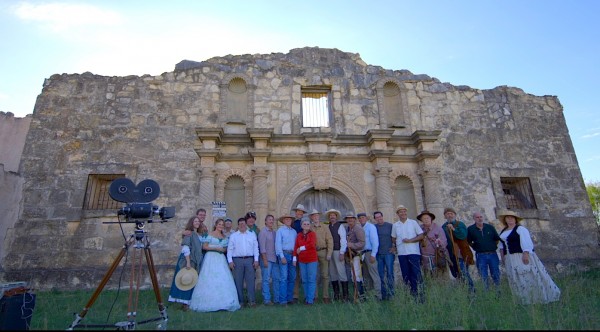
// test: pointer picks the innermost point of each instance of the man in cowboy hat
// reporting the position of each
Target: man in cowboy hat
(251, 222)
(324, 252)
(456, 232)
(285, 238)
(356, 243)
(370, 269)
(299, 211)
(407, 233)
(484, 238)
(337, 266)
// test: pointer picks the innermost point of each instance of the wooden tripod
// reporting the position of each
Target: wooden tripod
(140, 241)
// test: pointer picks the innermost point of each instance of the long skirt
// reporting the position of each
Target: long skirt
(176, 294)
(531, 283)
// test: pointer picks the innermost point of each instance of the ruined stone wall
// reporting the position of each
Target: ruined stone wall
(13, 132)
(147, 127)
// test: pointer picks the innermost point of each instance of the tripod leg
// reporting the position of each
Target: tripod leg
(152, 270)
(105, 279)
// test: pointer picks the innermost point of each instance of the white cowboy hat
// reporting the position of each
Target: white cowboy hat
(186, 279)
(314, 211)
(337, 213)
(300, 207)
(401, 207)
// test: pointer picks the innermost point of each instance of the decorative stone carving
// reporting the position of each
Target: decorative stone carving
(320, 173)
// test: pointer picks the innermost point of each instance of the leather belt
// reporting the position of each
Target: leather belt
(243, 257)
(486, 253)
(291, 252)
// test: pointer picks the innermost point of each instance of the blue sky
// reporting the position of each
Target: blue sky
(543, 47)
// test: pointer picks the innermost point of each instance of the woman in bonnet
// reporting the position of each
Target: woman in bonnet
(527, 276)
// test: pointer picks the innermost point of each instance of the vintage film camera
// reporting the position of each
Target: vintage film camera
(138, 200)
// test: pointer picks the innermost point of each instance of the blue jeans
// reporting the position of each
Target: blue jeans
(287, 278)
(385, 267)
(410, 266)
(465, 275)
(308, 273)
(271, 271)
(491, 261)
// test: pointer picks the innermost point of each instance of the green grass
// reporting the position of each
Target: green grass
(447, 306)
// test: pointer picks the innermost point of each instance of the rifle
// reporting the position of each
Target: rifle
(454, 245)
(349, 252)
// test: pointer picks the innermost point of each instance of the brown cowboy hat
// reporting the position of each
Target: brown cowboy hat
(186, 279)
(503, 214)
(425, 212)
(285, 216)
(449, 209)
(337, 213)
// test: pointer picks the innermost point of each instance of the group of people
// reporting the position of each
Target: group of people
(215, 267)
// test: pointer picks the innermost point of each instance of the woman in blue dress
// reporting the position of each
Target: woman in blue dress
(190, 257)
(215, 289)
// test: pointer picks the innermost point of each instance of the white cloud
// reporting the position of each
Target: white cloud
(591, 135)
(63, 16)
(594, 158)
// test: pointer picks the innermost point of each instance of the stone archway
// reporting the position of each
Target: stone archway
(323, 200)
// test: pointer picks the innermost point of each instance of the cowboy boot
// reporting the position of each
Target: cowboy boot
(336, 290)
(345, 293)
(361, 288)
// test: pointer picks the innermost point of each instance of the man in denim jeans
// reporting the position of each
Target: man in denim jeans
(285, 238)
(385, 255)
(483, 238)
(268, 262)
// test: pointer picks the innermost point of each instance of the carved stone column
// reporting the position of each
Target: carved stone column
(384, 192)
(260, 200)
(433, 198)
(207, 190)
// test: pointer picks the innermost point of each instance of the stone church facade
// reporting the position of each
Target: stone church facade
(266, 132)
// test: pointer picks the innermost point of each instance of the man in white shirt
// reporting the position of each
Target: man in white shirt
(242, 255)
(406, 233)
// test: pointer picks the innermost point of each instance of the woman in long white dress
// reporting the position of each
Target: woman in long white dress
(215, 289)
(527, 276)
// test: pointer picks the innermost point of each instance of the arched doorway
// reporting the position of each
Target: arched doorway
(405, 194)
(323, 200)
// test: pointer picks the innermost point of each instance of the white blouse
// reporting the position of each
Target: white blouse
(525, 237)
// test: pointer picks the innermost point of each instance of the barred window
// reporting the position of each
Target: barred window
(96, 192)
(518, 193)
(315, 106)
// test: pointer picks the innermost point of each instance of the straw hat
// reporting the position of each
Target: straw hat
(337, 213)
(186, 279)
(314, 211)
(299, 207)
(425, 212)
(285, 216)
(503, 214)
(401, 207)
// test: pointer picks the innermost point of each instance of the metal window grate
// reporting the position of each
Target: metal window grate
(518, 193)
(96, 192)
(315, 108)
